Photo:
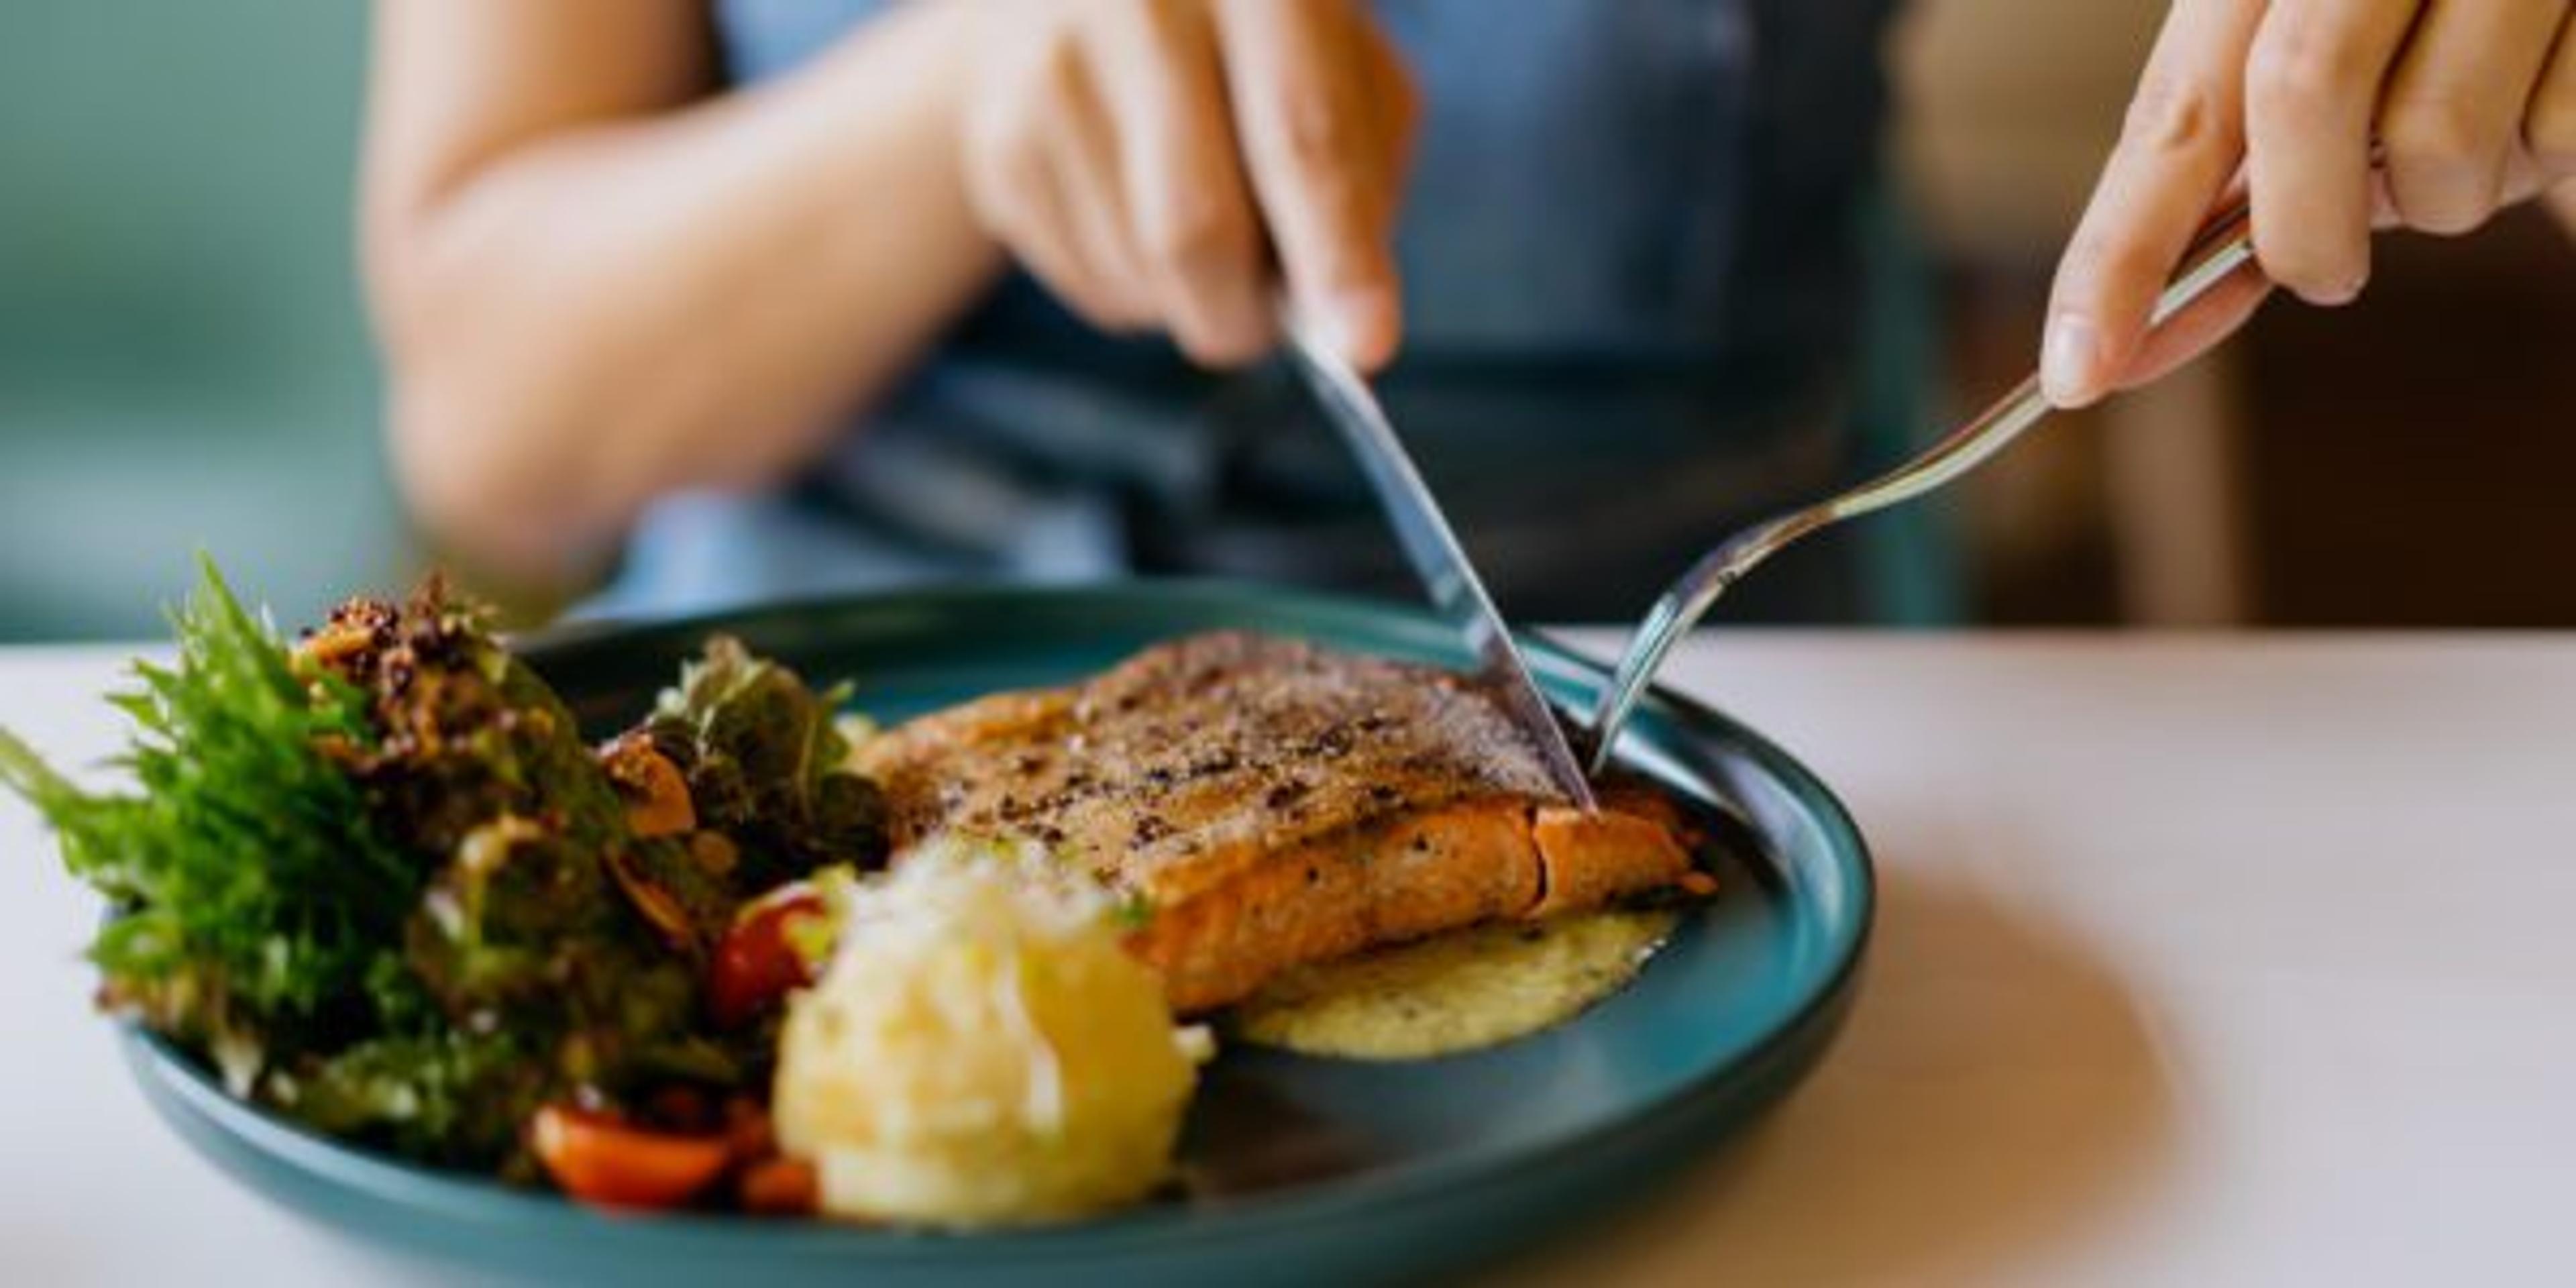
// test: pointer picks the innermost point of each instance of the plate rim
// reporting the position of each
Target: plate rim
(399, 1184)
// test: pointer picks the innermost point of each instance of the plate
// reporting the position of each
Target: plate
(1301, 1170)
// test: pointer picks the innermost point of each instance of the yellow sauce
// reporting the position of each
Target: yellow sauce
(1456, 992)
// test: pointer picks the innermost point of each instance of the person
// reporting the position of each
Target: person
(770, 297)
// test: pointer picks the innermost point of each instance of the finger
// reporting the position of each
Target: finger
(2198, 327)
(2203, 323)
(2383, 203)
(2177, 150)
(1116, 292)
(1309, 143)
(1191, 207)
(2312, 82)
(2523, 180)
(1397, 106)
(1020, 191)
(2549, 120)
(1052, 247)
(2452, 115)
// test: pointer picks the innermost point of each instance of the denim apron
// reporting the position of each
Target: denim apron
(1629, 252)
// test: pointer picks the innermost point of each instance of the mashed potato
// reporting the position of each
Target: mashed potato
(980, 1050)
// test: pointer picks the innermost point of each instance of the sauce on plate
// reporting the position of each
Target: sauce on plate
(1454, 992)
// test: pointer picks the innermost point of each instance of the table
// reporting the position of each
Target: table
(2202, 960)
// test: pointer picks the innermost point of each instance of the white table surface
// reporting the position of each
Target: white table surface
(2201, 960)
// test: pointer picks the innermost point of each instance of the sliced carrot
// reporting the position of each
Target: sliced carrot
(779, 1187)
(657, 796)
(748, 1131)
(601, 1160)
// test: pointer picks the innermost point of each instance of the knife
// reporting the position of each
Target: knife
(1433, 549)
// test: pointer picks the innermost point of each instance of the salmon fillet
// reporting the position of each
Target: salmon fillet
(1276, 804)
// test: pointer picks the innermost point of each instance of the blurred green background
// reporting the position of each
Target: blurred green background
(183, 360)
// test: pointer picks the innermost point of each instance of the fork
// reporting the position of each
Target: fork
(2223, 247)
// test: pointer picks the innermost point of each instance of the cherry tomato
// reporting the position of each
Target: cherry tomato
(601, 1160)
(755, 964)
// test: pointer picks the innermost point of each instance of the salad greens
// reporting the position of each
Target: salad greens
(260, 902)
(381, 883)
(765, 762)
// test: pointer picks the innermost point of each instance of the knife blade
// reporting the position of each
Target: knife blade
(1432, 548)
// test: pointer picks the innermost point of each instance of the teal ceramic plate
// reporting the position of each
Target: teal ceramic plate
(1304, 1171)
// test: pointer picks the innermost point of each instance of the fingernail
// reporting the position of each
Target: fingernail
(2342, 293)
(1359, 325)
(2067, 357)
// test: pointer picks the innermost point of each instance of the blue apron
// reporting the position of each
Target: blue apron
(1630, 263)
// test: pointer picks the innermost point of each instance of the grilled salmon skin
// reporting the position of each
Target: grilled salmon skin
(1275, 803)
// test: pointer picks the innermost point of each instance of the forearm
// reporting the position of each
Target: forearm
(692, 299)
